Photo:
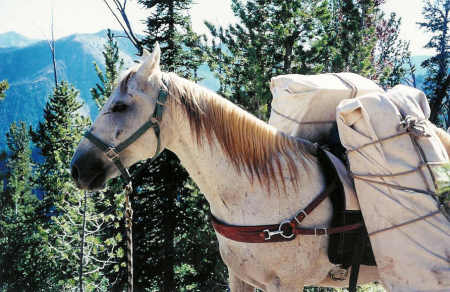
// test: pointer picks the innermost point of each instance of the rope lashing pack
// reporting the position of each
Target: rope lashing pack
(415, 128)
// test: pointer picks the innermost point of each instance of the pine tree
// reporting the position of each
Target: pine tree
(302, 37)
(57, 137)
(113, 67)
(437, 81)
(170, 25)
(24, 264)
(391, 53)
(274, 37)
(3, 87)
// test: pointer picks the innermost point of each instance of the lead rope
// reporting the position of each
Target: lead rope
(129, 230)
(82, 242)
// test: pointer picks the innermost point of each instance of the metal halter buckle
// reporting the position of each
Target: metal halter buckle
(268, 234)
(111, 153)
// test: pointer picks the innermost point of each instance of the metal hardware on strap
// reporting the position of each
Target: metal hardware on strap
(317, 231)
(111, 153)
(280, 231)
(302, 211)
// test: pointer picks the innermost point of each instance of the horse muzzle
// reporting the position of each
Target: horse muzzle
(89, 172)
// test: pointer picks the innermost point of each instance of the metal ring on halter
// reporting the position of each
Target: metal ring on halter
(112, 153)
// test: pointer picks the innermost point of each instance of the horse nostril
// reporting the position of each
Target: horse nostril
(75, 174)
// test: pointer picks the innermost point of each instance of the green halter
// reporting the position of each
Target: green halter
(113, 152)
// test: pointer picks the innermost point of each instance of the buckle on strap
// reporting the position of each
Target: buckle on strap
(112, 153)
(302, 211)
(317, 233)
(268, 234)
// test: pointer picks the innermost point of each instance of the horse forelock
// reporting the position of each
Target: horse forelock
(249, 143)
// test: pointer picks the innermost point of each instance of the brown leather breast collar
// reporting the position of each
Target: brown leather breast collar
(284, 231)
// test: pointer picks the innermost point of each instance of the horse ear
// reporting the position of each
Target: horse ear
(150, 63)
(145, 53)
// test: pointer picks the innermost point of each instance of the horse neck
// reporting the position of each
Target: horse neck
(233, 195)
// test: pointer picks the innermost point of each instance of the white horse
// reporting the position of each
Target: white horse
(250, 173)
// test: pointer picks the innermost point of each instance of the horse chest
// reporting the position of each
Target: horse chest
(291, 263)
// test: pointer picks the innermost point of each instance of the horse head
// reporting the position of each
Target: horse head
(121, 135)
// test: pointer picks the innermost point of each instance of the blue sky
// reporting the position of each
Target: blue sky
(32, 17)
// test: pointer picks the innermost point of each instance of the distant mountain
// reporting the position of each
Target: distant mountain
(13, 39)
(29, 72)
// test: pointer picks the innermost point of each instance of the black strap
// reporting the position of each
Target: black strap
(358, 253)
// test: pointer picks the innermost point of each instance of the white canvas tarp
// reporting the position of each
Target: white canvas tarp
(299, 100)
(415, 256)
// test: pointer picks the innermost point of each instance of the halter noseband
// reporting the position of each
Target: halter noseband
(113, 152)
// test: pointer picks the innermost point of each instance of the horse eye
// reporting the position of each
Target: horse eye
(119, 107)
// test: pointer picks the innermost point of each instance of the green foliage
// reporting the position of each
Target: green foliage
(3, 87)
(24, 252)
(392, 53)
(170, 25)
(302, 37)
(274, 37)
(437, 81)
(113, 66)
(57, 137)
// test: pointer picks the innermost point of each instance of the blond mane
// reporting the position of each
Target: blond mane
(249, 143)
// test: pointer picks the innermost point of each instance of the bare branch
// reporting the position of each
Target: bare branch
(127, 29)
(52, 49)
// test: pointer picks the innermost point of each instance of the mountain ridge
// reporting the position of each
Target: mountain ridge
(29, 71)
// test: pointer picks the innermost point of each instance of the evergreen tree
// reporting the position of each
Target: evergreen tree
(3, 87)
(57, 137)
(113, 67)
(351, 36)
(274, 37)
(24, 264)
(170, 25)
(437, 81)
(391, 53)
(302, 37)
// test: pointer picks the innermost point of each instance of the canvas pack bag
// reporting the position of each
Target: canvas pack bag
(401, 173)
(305, 105)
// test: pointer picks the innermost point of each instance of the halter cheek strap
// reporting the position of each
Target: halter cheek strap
(113, 152)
